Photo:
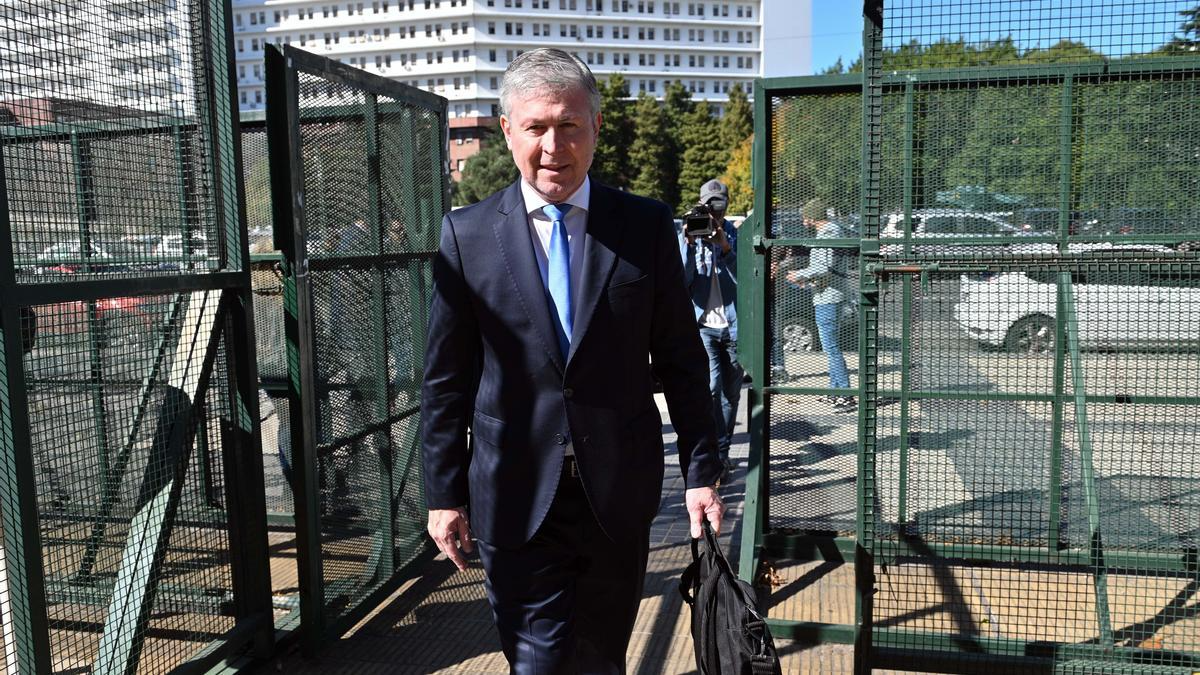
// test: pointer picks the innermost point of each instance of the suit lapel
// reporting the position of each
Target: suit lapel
(604, 231)
(516, 248)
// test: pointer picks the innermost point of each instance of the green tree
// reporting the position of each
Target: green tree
(737, 178)
(610, 164)
(487, 171)
(704, 155)
(1188, 39)
(738, 122)
(677, 103)
(651, 148)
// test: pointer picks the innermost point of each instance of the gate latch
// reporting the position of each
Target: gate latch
(885, 270)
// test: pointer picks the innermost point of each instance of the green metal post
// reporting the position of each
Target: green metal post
(27, 631)
(288, 207)
(752, 342)
(383, 543)
(906, 298)
(1087, 467)
(417, 235)
(868, 333)
(99, 334)
(1066, 131)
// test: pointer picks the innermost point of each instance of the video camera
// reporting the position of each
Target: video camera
(698, 221)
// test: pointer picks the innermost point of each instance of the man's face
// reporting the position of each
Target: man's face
(552, 137)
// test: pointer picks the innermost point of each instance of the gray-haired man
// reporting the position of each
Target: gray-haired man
(549, 298)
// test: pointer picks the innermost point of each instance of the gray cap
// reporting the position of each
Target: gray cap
(713, 188)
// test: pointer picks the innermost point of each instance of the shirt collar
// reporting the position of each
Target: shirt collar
(578, 199)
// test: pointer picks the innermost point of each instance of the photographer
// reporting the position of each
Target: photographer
(708, 244)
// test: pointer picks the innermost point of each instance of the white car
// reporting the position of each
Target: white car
(934, 224)
(1115, 305)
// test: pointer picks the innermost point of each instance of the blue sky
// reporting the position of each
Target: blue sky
(1115, 27)
(837, 32)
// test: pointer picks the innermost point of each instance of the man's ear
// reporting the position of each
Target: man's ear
(506, 127)
(596, 126)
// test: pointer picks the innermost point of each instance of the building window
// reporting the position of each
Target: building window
(491, 28)
(257, 96)
(494, 83)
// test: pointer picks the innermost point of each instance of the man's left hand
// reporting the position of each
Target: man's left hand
(704, 503)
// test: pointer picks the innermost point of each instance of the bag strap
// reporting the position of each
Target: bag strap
(688, 580)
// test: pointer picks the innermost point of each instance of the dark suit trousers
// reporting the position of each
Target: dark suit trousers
(566, 601)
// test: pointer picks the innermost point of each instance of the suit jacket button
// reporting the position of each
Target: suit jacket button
(560, 439)
(568, 392)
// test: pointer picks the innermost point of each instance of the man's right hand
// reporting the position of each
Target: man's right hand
(449, 529)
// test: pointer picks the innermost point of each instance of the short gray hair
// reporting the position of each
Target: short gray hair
(548, 70)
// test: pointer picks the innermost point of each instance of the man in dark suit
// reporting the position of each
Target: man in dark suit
(550, 297)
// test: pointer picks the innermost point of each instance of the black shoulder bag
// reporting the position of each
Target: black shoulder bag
(730, 636)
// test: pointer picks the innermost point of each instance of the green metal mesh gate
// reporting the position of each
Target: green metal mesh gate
(1016, 485)
(128, 377)
(357, 213)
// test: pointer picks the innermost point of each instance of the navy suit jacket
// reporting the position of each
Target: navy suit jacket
(493, 365)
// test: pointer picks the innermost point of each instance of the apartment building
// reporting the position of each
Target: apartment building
(460, 48)
(74, 59)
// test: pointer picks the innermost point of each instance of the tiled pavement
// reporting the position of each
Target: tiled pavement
(441, 623)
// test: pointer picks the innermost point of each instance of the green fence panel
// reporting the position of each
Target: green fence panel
(1017, 190)
(357, 213)
(128, 379)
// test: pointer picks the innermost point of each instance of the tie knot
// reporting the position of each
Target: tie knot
(556, 212)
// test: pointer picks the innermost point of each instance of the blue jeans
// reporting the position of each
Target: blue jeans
(827, 328)
(724, 383)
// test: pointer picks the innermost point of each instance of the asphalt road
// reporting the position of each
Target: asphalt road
(980, 471)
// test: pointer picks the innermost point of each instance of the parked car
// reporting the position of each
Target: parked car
(1041, 220)
(934, 224)
(118, 320)
(67, 256)
(794, 318)
(1141, 220)
(1115, 307)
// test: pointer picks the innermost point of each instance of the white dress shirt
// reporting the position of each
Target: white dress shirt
(540, 227)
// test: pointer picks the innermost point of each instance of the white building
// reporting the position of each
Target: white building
(94, 57)
(460, 48)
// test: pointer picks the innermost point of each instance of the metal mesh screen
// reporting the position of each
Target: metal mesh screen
(1038, 353)
(108, 176)
(120, 409)
(368, 236)
(108, 415)
(811, 440)
(1030, 347)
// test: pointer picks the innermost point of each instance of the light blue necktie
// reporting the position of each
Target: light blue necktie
(558, 276)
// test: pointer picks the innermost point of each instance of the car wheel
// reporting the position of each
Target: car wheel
(800, 336)
(1031, 335)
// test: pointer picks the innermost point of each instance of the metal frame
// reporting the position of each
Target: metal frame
(284, 120)
(229, 321)
(866, 549)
